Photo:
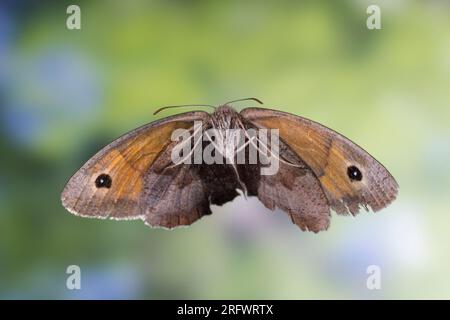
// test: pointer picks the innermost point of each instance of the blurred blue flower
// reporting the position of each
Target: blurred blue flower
(49, 91)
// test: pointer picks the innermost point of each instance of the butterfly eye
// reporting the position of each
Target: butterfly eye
(103, 181)
(354, 173)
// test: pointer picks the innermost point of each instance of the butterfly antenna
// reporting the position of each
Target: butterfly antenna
(245, 99)
(184, 105)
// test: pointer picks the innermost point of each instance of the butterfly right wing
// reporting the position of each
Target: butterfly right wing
(334, 160)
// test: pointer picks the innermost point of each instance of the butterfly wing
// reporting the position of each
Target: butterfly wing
(349, 177)
(113, 182)
(179, 195)
(294, 189)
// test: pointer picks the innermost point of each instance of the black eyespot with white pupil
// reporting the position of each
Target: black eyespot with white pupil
(103, 181)
(354, 173)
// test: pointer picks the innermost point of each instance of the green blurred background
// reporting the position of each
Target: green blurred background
(64, 94)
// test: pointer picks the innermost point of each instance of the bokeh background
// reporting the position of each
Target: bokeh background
(65, 93)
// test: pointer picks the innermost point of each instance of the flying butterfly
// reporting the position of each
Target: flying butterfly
(319, 171)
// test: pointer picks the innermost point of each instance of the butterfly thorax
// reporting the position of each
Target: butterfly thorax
(227, 124)
(225, 117)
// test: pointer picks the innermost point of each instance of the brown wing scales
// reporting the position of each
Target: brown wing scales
(124, 161)
(329, 155)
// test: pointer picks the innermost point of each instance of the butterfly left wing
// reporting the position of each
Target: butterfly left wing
(112, 183)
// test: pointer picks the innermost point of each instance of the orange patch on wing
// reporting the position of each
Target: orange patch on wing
(311, 146)
(324, 156)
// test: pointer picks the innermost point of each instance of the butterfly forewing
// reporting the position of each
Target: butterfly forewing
(112, 183)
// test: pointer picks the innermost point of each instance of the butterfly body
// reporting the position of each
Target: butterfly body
(225, 117)
(318, 170)
(224, 120)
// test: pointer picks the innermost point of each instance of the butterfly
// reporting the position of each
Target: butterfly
(319, 171)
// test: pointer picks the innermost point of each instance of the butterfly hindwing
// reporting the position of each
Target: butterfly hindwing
(295, 189)
(177, 195)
